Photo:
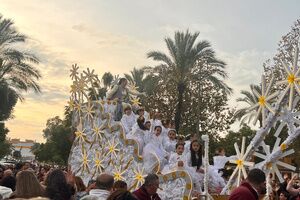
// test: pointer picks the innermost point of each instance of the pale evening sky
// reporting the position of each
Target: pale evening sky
(115, 36)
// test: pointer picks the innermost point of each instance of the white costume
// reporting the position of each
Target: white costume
(215, 179)
(164, 131)
(155, 147)
(141, 136)
(128, 122)
(154, 123)
(169, 145)
(187, 146)
(220, 161)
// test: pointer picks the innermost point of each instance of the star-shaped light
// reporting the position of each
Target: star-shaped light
(97, 134)
(73, 89)
(90, 76)
(273, 166)
(112, 150)
(240, 162)
(292, 79)
(118, 174)
(132, 87)
(89, 110)
(135, 101)
(81, 85)
(98, 163)
(139, 176)
(78, 108)
(85, 161)
(80, 135)
(71, 104)
(263, 100)
(74, 72)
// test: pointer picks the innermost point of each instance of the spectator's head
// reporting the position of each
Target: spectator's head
(120, 185)
(257, 179)
(79, 184)
(56, 185)
(19, 166)
(1, 172)
(121, 195)
(284, 195)
(151, 183)
(26, 165)
(7, 172)
(105, 182)
(27, 185)
(9, 181)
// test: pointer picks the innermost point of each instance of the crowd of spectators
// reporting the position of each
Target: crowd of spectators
(26, 181)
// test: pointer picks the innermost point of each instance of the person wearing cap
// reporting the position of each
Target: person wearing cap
(148, 191)
(128, 120)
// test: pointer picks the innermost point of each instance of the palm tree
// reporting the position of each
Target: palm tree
(178, 67)
(107, 79)
(137, 76)
(16, 70)
(243, 114)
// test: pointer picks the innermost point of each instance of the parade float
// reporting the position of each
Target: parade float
(101, 145)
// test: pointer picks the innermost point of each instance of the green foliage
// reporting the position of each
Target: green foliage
(16, 70)
(58, 134)
(5, 147)
(189, 82)
(236, 137)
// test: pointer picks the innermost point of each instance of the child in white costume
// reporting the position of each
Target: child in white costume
(177, 161)
(128, 120)
(155, 146)
(220, 159)
(140, 134)
(194, 159)
(170, 142)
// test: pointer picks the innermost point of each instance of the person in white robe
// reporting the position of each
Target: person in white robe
(170, 142)
(166, 125)
(128, 120)
(155, 147)
(140, 134)
(220, 159)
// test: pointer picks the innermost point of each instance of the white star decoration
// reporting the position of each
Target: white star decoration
(263, 100)
(240, 162)
(139, 176)
(292, 79)
(274, 166)
(118, 174)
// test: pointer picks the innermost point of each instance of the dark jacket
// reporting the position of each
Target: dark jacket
(142, 194)
(244, 192)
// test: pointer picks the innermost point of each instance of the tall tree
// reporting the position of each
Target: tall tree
(16, 68)
(180, 68)
(137, 76)
(243, 114)
(17, 73)
(107, 79)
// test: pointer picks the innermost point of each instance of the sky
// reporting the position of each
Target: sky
(115, 36)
